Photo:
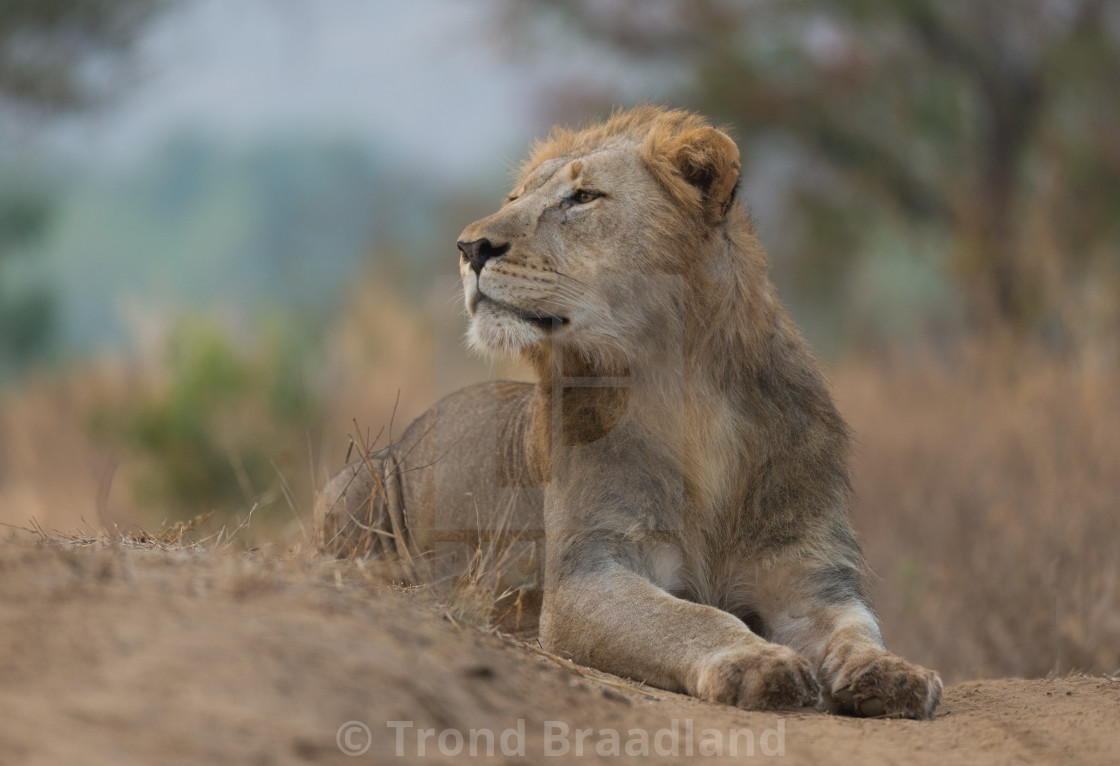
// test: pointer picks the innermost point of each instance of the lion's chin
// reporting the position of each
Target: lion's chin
(497, 327)
(503, 334)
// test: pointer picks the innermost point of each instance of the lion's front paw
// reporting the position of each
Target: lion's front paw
(885, 685)
(760, 678)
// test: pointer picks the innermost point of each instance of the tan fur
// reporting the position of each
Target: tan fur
(679, 459)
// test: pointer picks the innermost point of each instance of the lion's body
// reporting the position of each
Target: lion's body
(679, 457)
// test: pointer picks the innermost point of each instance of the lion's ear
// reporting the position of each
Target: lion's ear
(708, 160)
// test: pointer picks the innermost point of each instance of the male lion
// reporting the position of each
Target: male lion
(680, 442)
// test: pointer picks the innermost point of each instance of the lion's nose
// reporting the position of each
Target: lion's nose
(480, 251)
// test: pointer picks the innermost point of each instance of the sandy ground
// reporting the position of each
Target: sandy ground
(112, 655)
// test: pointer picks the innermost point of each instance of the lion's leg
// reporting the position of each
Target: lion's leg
(619, 621)
(862, 678)
(822, 618)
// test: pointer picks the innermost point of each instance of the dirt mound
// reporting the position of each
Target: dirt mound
(117, 655)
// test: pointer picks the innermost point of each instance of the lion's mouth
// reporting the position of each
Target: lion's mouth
(541, 319)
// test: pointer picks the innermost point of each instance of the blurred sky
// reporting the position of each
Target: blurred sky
(424, 77)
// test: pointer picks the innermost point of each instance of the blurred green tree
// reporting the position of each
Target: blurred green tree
(25, 311)
(988, 127)
(54, 54)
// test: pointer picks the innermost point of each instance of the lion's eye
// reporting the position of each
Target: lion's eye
(582, 196)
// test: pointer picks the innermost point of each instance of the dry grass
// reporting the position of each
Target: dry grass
(181, 535)
(482, 598)
(988, 496)
(51, 469)
(241, 568)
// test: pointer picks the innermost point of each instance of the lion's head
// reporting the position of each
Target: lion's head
(595, 216)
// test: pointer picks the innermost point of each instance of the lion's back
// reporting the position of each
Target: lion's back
(459, 475)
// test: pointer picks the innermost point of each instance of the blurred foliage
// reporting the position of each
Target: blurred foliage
(26, 310)
(53, 54)
(60, 53)
(988, 128)
(201, 227)
(224, 430)
(204, 226)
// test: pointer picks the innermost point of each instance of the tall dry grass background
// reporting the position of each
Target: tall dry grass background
(988, 494)
(987, 485)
